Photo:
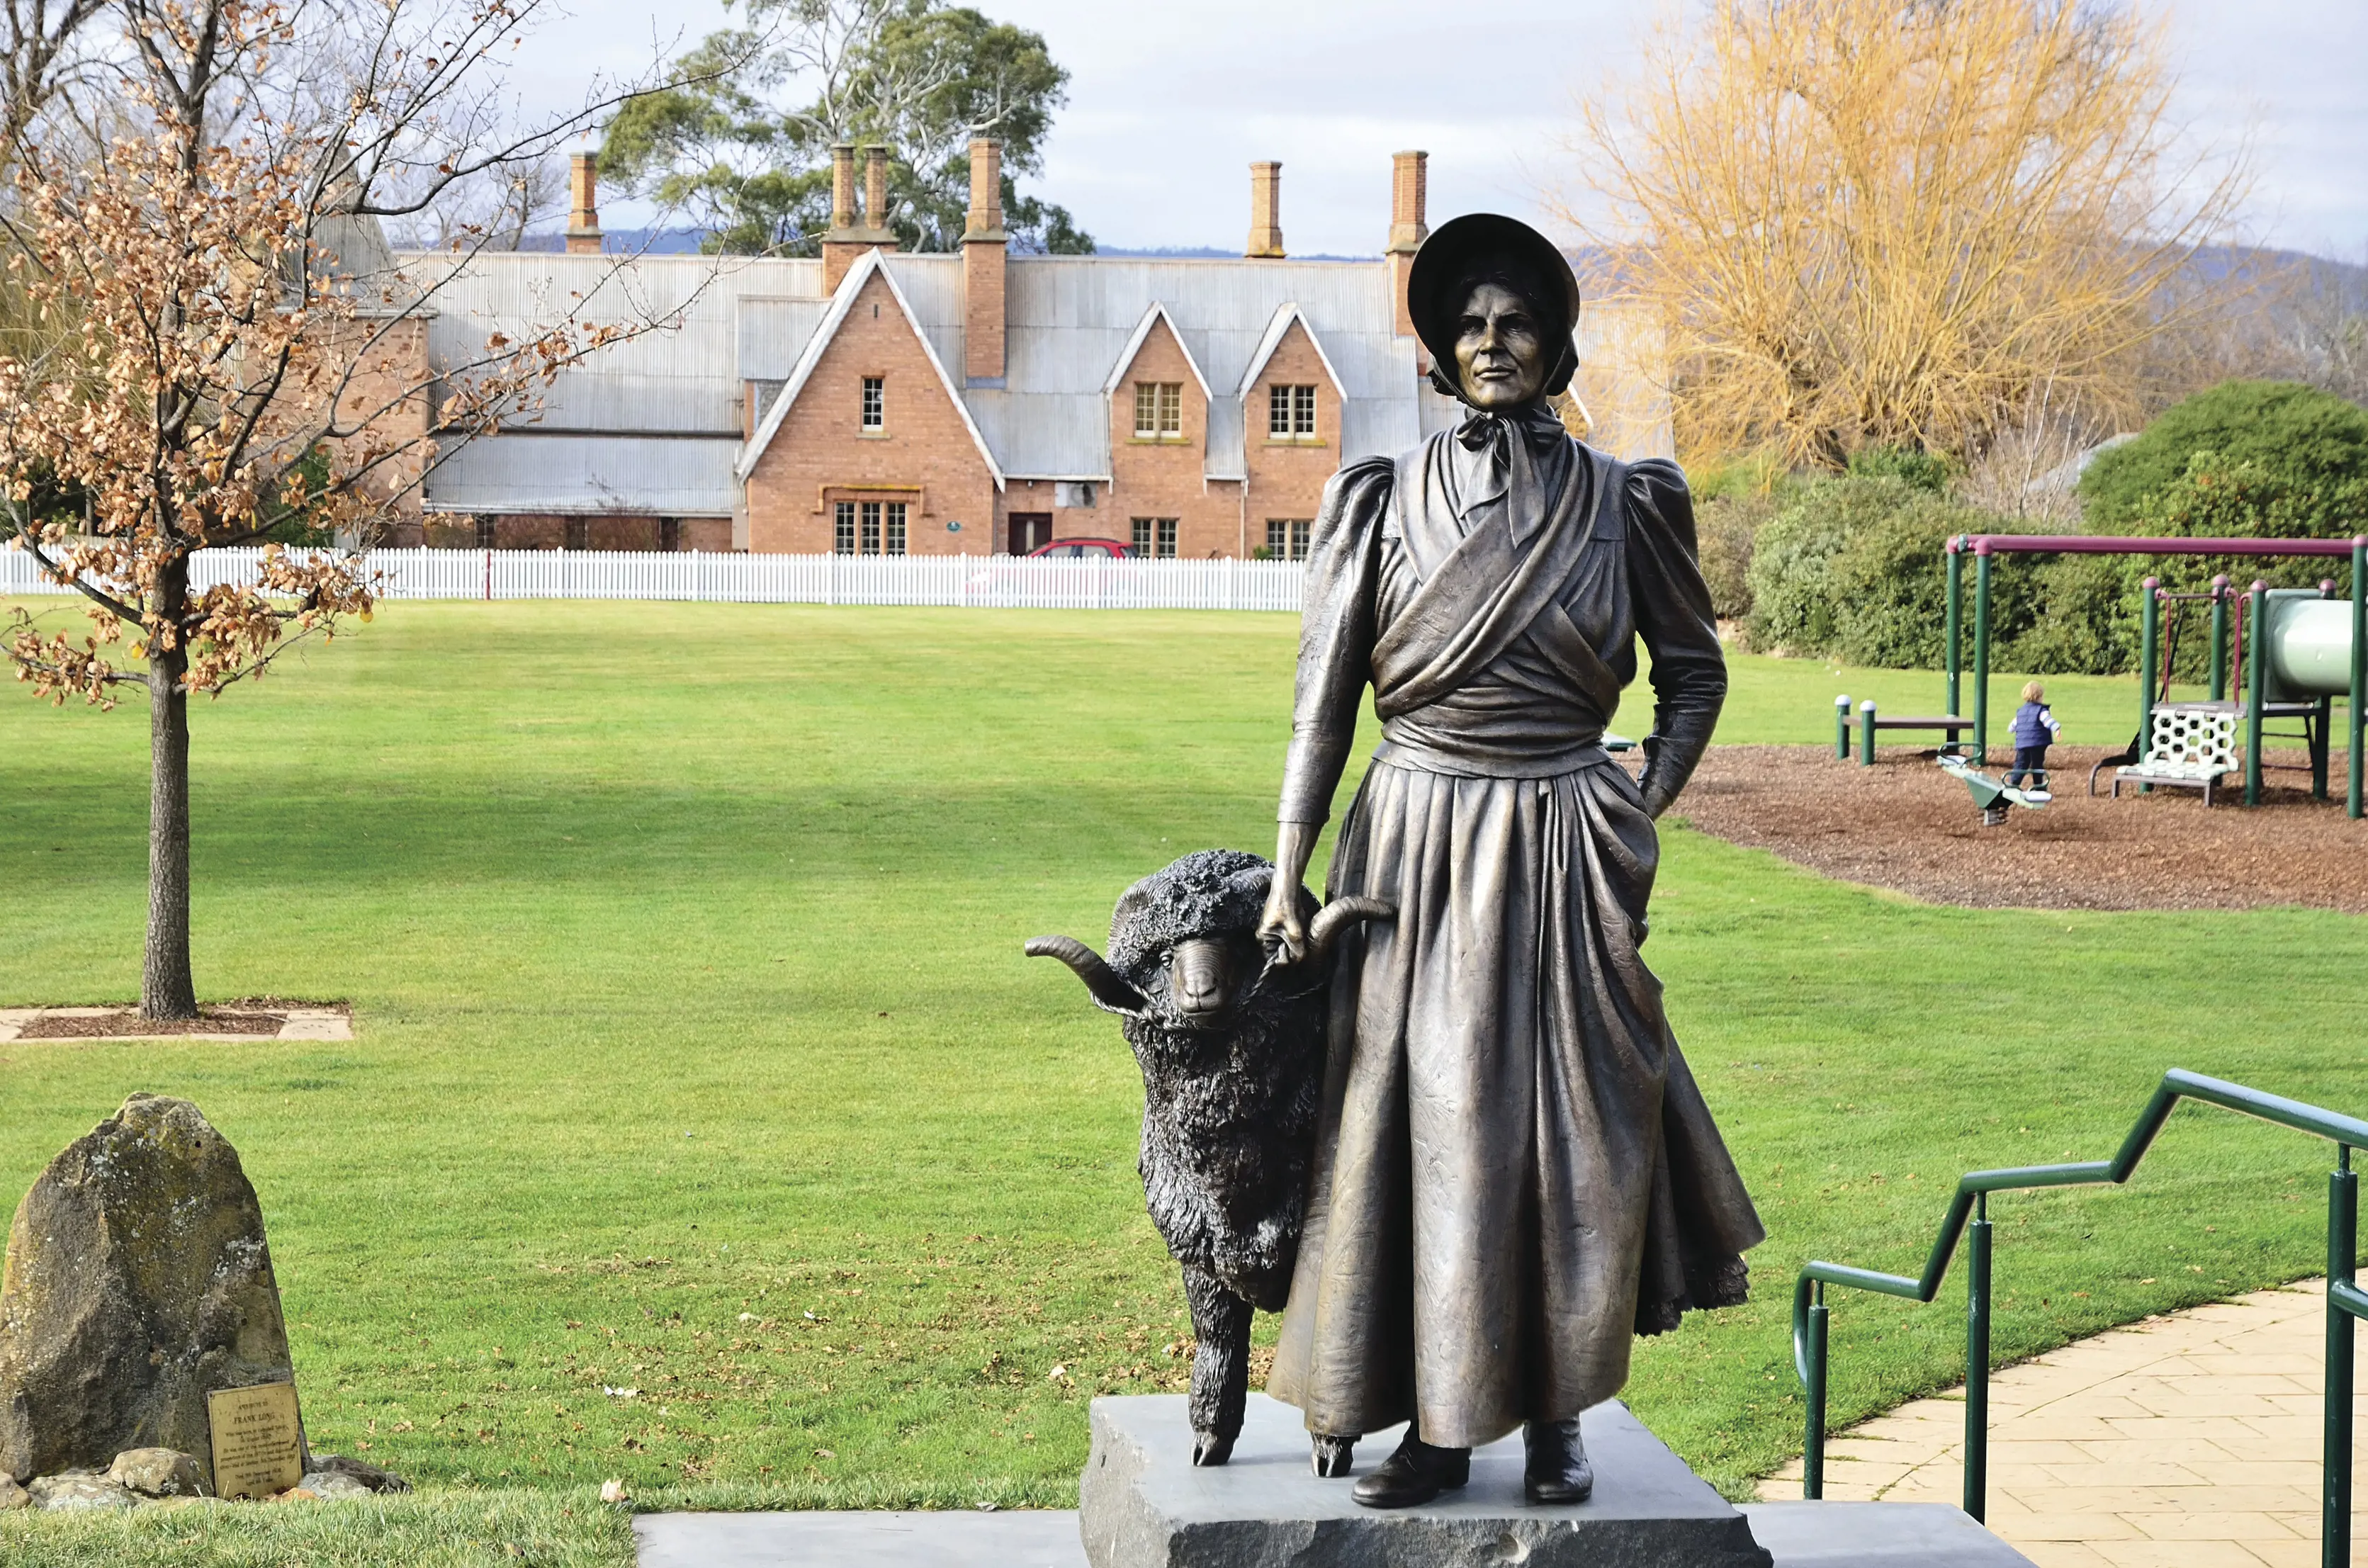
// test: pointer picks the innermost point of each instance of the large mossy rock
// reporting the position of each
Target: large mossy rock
(138, 1281)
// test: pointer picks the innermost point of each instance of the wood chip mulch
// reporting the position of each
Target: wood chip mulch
(261, 1017)
(1905, 826)
(107, 1026)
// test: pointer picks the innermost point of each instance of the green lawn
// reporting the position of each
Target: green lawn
(698, 1056)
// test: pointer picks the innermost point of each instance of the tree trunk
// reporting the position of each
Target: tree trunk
(166, 988)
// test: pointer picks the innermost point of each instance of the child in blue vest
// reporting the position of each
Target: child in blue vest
(2034, 729)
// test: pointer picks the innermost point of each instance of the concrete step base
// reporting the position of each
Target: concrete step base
(1798, 1535)
(1146, 1506)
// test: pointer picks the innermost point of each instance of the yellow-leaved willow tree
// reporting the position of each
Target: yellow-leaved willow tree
(208, 343)
(1903, 222)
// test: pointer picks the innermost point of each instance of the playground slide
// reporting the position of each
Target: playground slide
(2310, 645)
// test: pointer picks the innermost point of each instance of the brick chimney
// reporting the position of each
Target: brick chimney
(842, 188)
(1410, 183)
(583, 205)
(875, 189)
(985, 248)
(847, 239)
(1265, 210)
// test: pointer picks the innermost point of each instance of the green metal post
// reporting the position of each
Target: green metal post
(1866, 733)
(2358, 716)
(1978, 1359)
(2319, 739)
(1813, 1449)
(1841, 728)
(2149, 640)
(2220, 638)
(1981, 658)
(2257, 682)
(2335, 1506)
(1957, 626)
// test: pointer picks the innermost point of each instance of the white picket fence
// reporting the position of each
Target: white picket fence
(974, 582)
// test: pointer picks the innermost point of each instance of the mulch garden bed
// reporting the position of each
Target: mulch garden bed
(128, 1022)
(255, 1016)
(1906, 825)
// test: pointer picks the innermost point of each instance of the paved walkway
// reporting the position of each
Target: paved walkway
(2186, 1441)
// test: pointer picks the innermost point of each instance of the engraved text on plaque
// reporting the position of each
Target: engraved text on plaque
(258, 1443)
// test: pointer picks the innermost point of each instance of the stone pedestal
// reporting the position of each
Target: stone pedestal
(1144, 1506)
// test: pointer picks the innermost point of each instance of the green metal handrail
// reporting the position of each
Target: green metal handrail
(1968, 1219)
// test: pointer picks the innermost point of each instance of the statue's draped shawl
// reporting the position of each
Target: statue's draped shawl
(1515, 1172)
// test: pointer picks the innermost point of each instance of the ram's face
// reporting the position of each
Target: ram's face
(1205, 977)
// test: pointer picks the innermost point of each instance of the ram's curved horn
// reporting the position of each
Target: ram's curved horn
(1108, 986)
(1330, 919)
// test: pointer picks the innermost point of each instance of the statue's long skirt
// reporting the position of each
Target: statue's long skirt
(1516, 1172)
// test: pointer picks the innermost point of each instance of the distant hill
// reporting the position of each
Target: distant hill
(627, 241)
(1211, 253)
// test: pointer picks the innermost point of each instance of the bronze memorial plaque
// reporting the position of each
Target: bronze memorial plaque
(258, 1442)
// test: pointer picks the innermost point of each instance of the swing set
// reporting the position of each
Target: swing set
(2292, 651)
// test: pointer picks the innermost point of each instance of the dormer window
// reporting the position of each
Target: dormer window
(875, 402)
(1158, 411)
(1291, 412)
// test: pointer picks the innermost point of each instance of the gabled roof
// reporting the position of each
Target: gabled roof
(841, 303)
(1157, 312)
(1285, 314)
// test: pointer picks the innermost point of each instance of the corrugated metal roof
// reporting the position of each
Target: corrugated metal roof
(1228, 457)
(1045, 436)
(679, 377)
(586, 475)
(728, 321)
(773, 329)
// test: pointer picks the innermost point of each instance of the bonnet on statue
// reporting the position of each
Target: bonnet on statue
(1488, 247)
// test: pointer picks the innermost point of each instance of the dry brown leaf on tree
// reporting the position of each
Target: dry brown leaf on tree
(204, 341)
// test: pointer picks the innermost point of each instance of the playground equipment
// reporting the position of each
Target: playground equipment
(2193, 746)
(1993, 795)
(2296, 649)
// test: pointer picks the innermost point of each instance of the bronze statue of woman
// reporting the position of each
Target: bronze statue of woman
(1516, 1173)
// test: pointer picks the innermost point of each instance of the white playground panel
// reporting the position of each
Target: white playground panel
(2193, 744)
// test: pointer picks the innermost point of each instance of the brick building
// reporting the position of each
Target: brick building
(871, 402)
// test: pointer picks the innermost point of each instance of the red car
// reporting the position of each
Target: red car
(1075, 548)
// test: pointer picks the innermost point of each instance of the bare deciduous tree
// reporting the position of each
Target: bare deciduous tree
(42, 48)
(493, 209)
(1878, 222)
(231, 351)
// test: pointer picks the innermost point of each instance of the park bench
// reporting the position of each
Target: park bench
(1870, 725)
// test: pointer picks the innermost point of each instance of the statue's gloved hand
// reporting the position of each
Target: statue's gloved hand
(1671, 751)
(1280, 927)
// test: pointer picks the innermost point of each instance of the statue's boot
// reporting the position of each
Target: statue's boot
(1558, 1471)
(1413, 1475)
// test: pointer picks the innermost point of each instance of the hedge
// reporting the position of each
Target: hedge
(2296, 437)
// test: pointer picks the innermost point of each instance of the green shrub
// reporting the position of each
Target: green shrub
(1853, 567)
(2088, 622)
(1727, 527)
(2221, 498)
(1917, 469)
(1791, 593)
(2296, 435)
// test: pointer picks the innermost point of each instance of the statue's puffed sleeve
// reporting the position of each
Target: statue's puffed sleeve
(1335, 636)
(1681, 630)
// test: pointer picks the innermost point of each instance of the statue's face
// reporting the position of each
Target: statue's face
(1500, 350)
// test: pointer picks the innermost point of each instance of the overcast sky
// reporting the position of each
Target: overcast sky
(1169, 103)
